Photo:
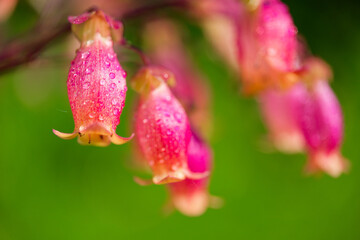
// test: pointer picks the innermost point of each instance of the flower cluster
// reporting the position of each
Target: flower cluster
(172, 121)
(298, 106)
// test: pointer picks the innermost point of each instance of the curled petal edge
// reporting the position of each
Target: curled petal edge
(94, 139)
(171, 177)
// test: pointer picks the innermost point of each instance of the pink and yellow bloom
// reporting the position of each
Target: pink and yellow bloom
(162, 127)
(96, 81)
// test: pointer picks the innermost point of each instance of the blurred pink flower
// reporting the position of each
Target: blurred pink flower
(165, 47)
(96, 81)
(267, 46)
(278, 108)
(6, 8)
(320, 119)
(191, 197)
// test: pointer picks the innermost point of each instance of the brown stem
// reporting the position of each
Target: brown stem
(19, 52)
(137, 50)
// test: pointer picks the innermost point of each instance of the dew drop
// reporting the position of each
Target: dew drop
(124, 74)
(116, 111)
(145, 121)
(178, 117)
(86, 85)
(101, 117)
(85, 55)
(107, 64)
(112, 86)
(111, 56)
(88, 71)
(102, 82)
(112, 75)
(168, 132)
(92, 115)
(114, 101)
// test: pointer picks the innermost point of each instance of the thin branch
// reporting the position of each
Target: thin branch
(148, 9)
(137, 50)
(19, 52)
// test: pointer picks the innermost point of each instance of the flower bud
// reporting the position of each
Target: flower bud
(191, 196)
(162, 127)
(321, 122)
(96, 81)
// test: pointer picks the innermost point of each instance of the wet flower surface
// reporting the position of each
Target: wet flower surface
(96, 83)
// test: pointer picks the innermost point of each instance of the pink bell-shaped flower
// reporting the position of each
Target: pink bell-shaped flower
(267, 46)
(96, 81)
(191, 197)
(321, 122)
(278, 108)
(162, 127)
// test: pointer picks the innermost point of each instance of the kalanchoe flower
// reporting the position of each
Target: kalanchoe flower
(321, 122)
(96, 82)
(165, 48)
(191, 197)
(162, 127)
(267, 46)
(278, 108)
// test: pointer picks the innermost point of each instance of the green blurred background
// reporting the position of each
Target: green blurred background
(59, 190)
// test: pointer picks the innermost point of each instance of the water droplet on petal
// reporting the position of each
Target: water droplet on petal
(101, 117)
(145, 121)
(86, 85)
(85, 55)
(178, 117)
(102, 82)
(124, 74)
(112, 75)
(114, 101)
(107, 64)
(116, 111)
(111, 56)
(112, 86)
(92, 115)
(88, 71)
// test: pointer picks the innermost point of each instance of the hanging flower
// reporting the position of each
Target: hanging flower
(267, 46)
(191, 197)
(96, 82)
(321, 122)
(278, 108)
(162, 127)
